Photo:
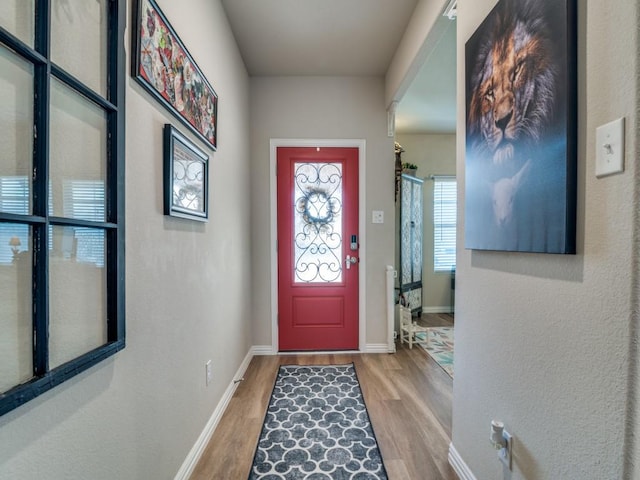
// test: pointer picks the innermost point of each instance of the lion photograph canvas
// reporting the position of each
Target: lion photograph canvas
(520, 161)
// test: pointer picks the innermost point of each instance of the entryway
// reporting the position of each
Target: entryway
(319, 265)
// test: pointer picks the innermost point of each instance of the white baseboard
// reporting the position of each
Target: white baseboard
(446, 309)
(461, 468)
(263, 350)
(377, 348)
(196, 451)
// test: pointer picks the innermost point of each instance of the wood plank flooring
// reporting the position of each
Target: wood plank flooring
(407, 394)
(436, 320)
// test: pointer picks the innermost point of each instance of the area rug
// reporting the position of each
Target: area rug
(440, 346)
(317, 428)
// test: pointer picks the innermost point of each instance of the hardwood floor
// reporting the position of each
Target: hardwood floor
(407, 394)
(436, 320)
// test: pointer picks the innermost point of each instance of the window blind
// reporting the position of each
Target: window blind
(444, 223)
(14, 198)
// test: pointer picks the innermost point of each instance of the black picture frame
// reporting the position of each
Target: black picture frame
(163, 66)
(186, 177)
(521, 134)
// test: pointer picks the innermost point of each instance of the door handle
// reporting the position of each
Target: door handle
(349, 260)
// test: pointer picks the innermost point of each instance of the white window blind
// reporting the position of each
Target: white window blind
(444, 223)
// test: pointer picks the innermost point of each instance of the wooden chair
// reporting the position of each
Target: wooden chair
(409, 328)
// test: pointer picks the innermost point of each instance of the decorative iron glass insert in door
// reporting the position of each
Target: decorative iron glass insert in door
(410, 271)
(317, 224)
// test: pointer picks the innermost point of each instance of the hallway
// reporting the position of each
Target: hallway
(407, 394)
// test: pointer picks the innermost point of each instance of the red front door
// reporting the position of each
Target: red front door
(317, 261)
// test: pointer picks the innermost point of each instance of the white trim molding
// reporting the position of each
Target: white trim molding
(458, 464)
(377, 348)
(443, 309)
(360, 144)
(198, 448)
(263, 350)
(391, 118)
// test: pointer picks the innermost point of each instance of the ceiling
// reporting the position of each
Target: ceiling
(343, 38)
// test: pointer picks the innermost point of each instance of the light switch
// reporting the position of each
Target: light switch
(377, 216)
(610, 148)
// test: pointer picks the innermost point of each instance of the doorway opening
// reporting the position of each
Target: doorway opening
(425, 162)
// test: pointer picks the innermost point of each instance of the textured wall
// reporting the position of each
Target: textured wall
(434, 155)
(542, 341)
(138, 414)
(633, 423)
(322, 108)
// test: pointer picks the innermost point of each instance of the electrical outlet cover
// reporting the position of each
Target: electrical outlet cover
(209, 372)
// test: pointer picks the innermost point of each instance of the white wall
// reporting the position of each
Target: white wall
(322, 108)
(138, 414)
(418, 41)
(543, 341)
(434, 154)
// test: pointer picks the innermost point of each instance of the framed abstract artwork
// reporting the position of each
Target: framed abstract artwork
(164, 67)
(186, 177)
(521, 152)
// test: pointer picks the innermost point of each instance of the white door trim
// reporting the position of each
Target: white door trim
(273, 236)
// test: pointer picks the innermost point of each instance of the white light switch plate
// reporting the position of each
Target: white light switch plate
(610, 148)
(377, 216)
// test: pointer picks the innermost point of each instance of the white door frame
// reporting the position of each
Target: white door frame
(283, 142)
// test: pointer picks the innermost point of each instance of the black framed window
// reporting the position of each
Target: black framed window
(62, 80)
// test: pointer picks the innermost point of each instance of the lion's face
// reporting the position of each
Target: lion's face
(513, 90)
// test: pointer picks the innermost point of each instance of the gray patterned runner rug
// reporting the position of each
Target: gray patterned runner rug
(317, 428)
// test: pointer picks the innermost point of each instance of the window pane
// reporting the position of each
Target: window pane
(16, 133)
(16, 332)
(444, 225)
(317, 213)
(78, 169)
(17, 17)
(78, 287)
(79, 40)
